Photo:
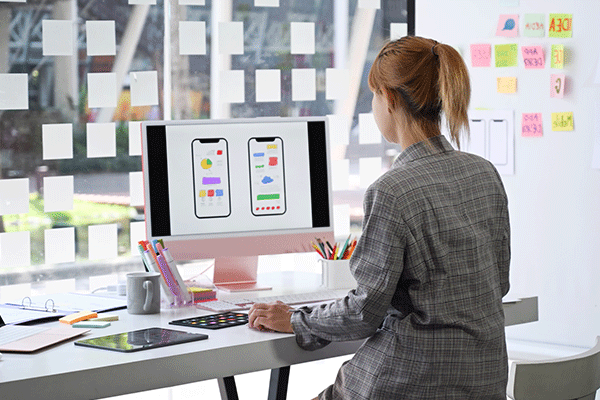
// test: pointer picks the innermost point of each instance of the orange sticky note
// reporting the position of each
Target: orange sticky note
(507, 84)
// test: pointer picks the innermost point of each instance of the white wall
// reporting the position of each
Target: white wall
(554, 195)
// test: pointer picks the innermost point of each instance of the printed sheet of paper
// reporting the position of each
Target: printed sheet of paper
(558, 56)
(59, 245)
(231, 37)
(58, 193)
(507, 84)
(532, 125)
(337, 82)
(560, 26)
(304, 83)
(562, 121)
(14, 196)
(14, 92)
(144, 88)
(101, 140)
(232, 87)
(533, 57)
(557, 85)
(57, 141)
(268, 85)
(508, 25)
(493, 137)
(57, 37)
(534, 25)
(506, 55)
(101, 38)
(102, 241)
(302, 37)
(15, 249)
(102, 89)
(481, 55)
(192, 37)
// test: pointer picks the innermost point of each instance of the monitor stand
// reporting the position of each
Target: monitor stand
(237, 274)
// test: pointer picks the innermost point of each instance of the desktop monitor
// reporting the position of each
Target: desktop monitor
(232, 190)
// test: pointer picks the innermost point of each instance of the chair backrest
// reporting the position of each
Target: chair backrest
(569, 378)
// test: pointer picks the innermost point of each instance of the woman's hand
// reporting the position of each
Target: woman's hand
(271, 317)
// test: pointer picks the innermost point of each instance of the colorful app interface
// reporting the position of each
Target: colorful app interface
(267, 179)
(211, 178)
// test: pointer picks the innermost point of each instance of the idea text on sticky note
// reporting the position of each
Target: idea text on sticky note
(560, 26)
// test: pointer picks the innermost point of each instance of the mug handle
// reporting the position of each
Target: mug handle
(149, 287)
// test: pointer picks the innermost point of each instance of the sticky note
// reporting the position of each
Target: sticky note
(14, 92)
(369, 4)
(481, 55)
(14, 196)
(101, 38)
(15, 249)
(340, 174)
(78, 316)
(58, 193)
(341, 220)
(560, 26)
(102, 89)
(266, 3)
(231, 37)
(557, 59)
(339, 129)
(57, 37)
(144, 88)
(192, 2)
(57, 141)
(232, 86)
(304, 83)
(533, 25)
(533, 57)
(101, 140)
(369, 170)
(532, 125)
(398, 30)
(136, 188)
(135, 138)
(337, 82)
(507, 84)
(150, 2)
(508, 25)
(59, 245)
(302, 37)
(506, 55)
(562, 121)
(368, 132)
(268, 85)
(102, 241)
(557, 85)
(137, 232)
(192, 37)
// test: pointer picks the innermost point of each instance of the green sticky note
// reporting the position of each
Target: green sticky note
(557, 58)
(560, 26)
(506, 55)
(534, 25)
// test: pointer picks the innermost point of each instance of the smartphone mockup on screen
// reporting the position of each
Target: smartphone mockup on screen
(211, 178)
(267, 177)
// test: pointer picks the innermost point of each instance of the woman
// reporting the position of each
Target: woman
(433, 259)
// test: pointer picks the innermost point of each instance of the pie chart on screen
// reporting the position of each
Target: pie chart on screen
(206, 163)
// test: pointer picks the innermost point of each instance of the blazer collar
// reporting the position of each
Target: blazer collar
(432, 146)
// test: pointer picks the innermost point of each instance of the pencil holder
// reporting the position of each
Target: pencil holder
(335, 274)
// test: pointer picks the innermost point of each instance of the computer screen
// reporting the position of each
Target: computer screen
(236, 189)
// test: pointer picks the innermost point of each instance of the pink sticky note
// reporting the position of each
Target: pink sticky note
(481, 55)
(557, 85)
(508, 25)
(532, 125)
(533, 57)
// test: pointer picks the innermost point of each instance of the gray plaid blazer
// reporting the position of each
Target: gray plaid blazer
(432, 267)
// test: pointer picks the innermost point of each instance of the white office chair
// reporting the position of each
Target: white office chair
(569, 378)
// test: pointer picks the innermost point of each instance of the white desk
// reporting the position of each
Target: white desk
(67, 371)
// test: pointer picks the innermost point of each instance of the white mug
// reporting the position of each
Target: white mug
(143, 292)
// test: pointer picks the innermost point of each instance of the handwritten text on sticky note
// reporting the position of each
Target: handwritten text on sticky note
(557, 85)
(481, 55)
(533, 57)
(507, 84)
(534, 25)
(506, 55)
(562, 121)
(508, 25)
(560, 26)
(532, 125)
(558, 56)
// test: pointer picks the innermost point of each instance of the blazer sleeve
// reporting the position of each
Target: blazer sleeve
(376, 264)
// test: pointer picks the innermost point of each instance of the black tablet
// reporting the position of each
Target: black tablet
(141, 340)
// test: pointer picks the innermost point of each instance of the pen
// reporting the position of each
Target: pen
(317, 249)
(343, 252)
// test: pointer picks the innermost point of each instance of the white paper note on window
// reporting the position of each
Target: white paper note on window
(192, 2)
(232, 86)
(57, 37)
(369, 4)
(15, 249)
(304, 84)
(102, 241)
(302, 37)
(136, 188)
(135, 138)
(59, 245)
(14, 92)
(341, 220)
(231, 37)
(144, 88)
(102, 89)
(101, 140)
(14, 196)
(369, 170)
(337, 82)
(192, 37)
(340, 174)
(398, 30)
(57, 141)
(101, 38)
(268, 85)
(150, 2)
(137, 232)
(339, 130)
(58, 193)
(266, 3)
(368, 132)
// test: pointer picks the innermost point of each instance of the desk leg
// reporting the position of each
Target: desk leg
(227, 388)
(278, 384)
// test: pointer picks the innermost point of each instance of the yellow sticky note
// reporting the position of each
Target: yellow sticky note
(558, 56)
(507, 84)
(562, 121)
(506, 55)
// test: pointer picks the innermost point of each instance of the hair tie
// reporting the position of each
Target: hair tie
(433, 50)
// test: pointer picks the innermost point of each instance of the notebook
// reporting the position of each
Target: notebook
(27, 339)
